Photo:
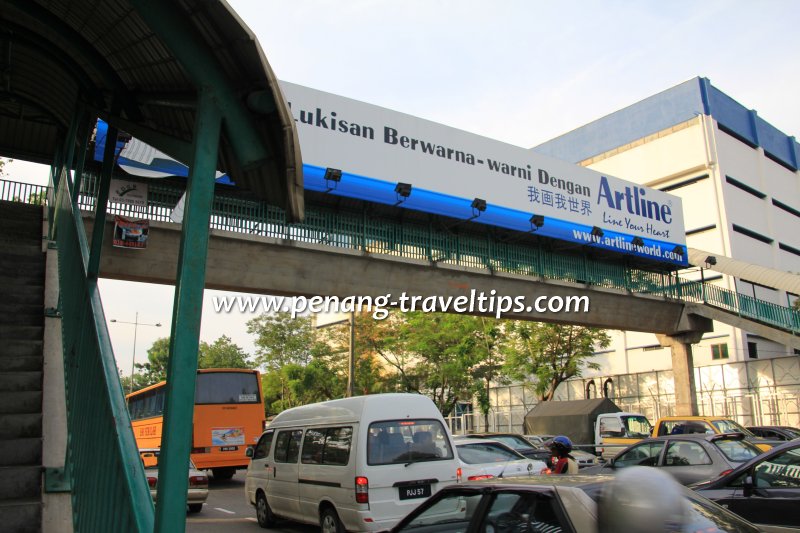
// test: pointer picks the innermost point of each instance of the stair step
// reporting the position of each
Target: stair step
(21, 426)
(18, 403)
(20, 381)
(21, 332)
(21, 452)
(21, 348)
(20, 482)
(20, 363)
(22, 515)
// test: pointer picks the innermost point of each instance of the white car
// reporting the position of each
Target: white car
(484, 459)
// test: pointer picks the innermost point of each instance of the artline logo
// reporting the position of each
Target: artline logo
(633, 202)
(122, 191)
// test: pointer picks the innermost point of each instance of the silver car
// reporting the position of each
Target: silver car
(198, 481)
(688, 458)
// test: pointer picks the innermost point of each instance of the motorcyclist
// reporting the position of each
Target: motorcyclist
(563, 462)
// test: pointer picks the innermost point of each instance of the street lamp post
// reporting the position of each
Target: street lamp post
(136, 325)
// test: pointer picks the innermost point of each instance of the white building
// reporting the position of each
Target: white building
(738, 178)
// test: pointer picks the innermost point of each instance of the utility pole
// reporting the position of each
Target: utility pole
(136, 325)
(351, 359)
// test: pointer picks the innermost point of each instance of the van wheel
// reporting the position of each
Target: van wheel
(263, 512)
(329, 521)
(195, 507)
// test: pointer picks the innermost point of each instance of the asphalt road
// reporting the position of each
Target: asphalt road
(227, 511)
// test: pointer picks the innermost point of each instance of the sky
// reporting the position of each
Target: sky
(521, 72)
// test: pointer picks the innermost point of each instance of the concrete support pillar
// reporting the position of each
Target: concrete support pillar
(683, 370)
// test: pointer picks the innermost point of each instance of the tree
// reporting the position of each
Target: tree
(444, 348)
(3, 162)
(488, 368)
(282, 341)
(551, 353)
(155, 369)
(222, 354)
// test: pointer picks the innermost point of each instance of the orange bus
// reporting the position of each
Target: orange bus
(228, 417)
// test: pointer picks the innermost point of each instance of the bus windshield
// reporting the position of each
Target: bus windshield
(226, 387)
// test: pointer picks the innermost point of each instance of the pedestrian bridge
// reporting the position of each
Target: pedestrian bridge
(341, 252)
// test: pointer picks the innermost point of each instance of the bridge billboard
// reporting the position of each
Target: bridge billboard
(461, 175)
(448, 169)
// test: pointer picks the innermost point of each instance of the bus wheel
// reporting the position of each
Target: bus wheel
(263, 512)
(329, 521)
(195, 507)
(223, 473)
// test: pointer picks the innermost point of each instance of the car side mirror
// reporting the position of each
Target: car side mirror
(249, 452)
(748, 486)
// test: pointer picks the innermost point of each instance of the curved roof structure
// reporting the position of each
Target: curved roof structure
(768, 277)
(139, 64)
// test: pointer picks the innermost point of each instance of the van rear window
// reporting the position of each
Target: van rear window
(407, 441)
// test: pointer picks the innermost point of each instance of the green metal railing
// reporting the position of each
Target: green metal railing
(359, 232)
(109, 487)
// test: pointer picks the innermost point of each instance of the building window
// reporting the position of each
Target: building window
(785, 207)
(719, 351)
(700, 230)
(685, 183)
(752, 234)
(787, 248)
(608, 388)
(746, 188)
(591, 390)
(752, 350)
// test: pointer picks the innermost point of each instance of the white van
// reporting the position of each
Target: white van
(356, 464)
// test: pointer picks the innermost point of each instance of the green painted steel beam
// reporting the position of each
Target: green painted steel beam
(198, 59)
(76, 41)
(187, 312)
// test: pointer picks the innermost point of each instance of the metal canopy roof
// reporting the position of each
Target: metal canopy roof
(768, 277)
(138, 64)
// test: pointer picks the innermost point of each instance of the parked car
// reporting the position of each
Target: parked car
(484, 459)
(683, 425)
(515, 441)
(564, 504)
(198, 481)
(775, 432)
(688, 458)
(764, 490)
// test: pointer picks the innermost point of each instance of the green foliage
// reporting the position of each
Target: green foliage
(222, 354)
(444, 347)
(552, 353)
(281, 340)
(155, 369)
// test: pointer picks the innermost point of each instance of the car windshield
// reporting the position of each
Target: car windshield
(486, 452)
(729, 426)
(793, 433)
(637, 426)
(737, 450)
(407, 441)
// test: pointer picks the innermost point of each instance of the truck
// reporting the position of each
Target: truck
(596, 425)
